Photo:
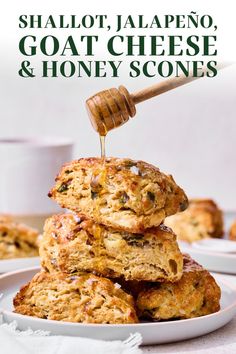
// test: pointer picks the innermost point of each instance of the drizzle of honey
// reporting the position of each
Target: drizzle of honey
(102, 146)
(100, 175)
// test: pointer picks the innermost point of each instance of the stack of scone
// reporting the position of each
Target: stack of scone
(111, 259)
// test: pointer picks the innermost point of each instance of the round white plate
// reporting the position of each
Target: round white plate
(212, 260)
(152, 333)
(10, 265)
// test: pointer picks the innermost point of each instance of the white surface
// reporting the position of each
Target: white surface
(162, 332)
(28, 170)
(189, 132)
(10, 265)
(222, 341)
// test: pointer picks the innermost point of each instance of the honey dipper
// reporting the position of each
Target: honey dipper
(111, 108)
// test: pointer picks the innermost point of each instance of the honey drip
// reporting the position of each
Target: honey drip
(102, 145)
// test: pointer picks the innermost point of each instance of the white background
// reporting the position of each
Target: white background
(189, 132)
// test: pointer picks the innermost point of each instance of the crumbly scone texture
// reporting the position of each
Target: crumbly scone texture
(81, 297)
(232, 231)
(17, 240)
(195, 294)
(70, 244)
(120, 193)
(202, 219)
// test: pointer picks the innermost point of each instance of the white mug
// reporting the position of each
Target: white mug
(28, 167)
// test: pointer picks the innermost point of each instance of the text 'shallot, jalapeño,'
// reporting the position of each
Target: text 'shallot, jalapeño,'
(191, 20)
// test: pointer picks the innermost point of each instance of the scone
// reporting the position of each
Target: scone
(5, 218)
(120, 193)
(70, 244)
(232, 231)
(200, 220)
(17, 240)
(75, 298)
(195, 294)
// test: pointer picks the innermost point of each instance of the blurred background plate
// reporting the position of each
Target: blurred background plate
(213, 261)
(10, 265)
(209, 256)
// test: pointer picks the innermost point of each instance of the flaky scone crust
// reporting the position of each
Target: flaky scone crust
(69, 245)
(17, 240)
(202, 219)
(195, 294)
(120, 193)
(75, 298)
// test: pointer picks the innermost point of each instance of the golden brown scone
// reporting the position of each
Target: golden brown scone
(120, 193)
(232, 231)
(75, 298)
(17, 240)
(195, 294)
(200, 220)
(70, 244)
(5, 218)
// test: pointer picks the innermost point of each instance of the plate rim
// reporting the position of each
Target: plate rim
(137, 325)
(6, 260)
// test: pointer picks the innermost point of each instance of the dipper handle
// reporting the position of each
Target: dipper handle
(160, 88)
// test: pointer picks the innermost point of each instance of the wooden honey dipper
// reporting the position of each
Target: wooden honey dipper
(111, 108)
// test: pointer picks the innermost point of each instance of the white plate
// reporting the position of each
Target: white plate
(9, 265)
(211, 260)
(152, 333)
